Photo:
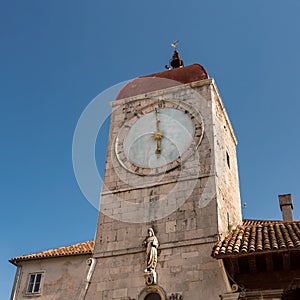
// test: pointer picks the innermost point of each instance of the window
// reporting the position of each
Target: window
(34, 283)
(228, 159)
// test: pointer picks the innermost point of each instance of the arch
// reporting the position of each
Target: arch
(153, 296)
(152, 292)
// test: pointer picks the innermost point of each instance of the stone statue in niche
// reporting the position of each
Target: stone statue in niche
(151, 244)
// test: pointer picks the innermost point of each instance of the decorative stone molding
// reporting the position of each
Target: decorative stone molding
(153, 289)
(176, 296)
(230, 296)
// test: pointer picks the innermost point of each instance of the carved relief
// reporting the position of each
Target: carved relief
(175, 297)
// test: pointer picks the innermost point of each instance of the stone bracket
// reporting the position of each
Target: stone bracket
(150, 277)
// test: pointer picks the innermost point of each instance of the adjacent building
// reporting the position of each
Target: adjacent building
(61, 273)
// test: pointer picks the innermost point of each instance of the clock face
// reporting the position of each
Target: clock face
(159, 137)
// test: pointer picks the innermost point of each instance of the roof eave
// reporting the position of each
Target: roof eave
(16, 261)
(237, 255)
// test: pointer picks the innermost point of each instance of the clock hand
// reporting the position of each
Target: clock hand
(157, 136)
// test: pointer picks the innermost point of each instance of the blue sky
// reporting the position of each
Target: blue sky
(56, 56)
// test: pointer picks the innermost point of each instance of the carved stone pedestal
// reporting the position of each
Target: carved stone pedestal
(150, 277)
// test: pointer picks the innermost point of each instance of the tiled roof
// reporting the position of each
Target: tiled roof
(76, 249)
(257, 236)
(162, 80)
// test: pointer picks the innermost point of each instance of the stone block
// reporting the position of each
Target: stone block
(190, 254)
(194, 276)
(119, 293)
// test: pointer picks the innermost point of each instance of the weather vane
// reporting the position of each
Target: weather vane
(174, 44)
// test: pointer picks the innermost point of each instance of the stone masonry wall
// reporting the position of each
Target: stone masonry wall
(229, 203)
(191, 199)
(186, 270)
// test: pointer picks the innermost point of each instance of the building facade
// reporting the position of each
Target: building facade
(262, 257)
(61, 273)
(189, 198)
(170, 224)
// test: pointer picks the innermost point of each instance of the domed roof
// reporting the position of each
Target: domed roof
(162, 80)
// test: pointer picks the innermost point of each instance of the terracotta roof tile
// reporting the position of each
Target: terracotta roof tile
(255, 236)
(162, 80)
(76, 249)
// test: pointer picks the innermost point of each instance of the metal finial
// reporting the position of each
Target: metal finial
(175, 61)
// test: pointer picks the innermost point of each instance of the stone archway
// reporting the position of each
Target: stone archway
(153, 296)
(153, 292)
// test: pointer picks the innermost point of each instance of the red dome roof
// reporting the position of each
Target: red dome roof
(162, 80)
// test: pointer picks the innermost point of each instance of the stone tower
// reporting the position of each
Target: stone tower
(170, 193)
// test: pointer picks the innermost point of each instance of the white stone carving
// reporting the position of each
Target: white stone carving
(151, 244)
(150, 277)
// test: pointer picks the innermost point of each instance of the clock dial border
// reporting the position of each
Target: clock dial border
(193, 114)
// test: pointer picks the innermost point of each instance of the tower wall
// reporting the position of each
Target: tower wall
(188, 207)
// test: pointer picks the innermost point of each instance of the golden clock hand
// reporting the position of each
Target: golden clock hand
(157, 136)
(157, 151)
(157, 120)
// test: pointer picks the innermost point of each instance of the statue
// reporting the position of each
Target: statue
(151, 244)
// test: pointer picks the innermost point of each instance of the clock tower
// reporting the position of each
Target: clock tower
(170, 192)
